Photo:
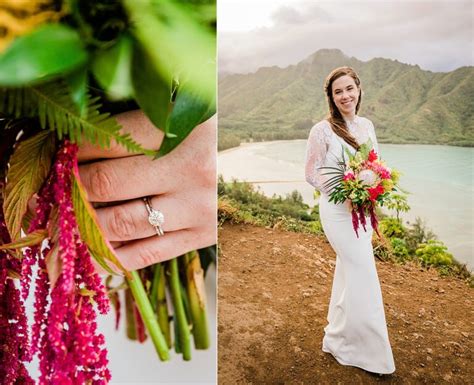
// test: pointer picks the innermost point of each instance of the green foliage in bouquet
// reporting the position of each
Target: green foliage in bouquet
(355, 189)
(159, 54)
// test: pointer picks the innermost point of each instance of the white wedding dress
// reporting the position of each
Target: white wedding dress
(356, 333)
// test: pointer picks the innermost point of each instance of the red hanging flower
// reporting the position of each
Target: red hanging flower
(374, 192)
(372, 155)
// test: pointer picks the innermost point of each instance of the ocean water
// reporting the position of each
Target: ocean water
(438, 178)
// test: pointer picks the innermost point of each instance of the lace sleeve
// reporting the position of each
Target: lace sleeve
(373, 137)
(316, 150)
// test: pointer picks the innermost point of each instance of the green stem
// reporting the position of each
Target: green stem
(184, 296)
(129, 318)
(148, 316)
(197, 301)
(179, 313)
(162, 307)
(154, 286)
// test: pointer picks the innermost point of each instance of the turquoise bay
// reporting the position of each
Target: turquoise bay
(439, 179)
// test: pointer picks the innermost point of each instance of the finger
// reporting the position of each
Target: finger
(128, 178)
(137, 176)
(134, 123)
(145, 252)
(129, 221)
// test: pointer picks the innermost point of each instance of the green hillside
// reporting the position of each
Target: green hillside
(406, 103)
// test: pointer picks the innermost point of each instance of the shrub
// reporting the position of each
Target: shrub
(399, 249)
(392, 228)
(417, 234)
(242, 202)
(434, 253)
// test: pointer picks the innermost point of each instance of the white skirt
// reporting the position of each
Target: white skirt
(356, 333)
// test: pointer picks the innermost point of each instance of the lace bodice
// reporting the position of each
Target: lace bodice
(324, 148)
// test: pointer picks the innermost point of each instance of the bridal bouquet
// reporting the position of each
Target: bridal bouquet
(60, 62)
(365, 180)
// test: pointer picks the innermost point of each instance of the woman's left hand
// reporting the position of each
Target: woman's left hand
(182, 185)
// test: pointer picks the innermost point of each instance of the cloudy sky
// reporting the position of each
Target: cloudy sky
(436, 35)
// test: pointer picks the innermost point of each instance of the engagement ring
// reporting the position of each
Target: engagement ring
(155, 217)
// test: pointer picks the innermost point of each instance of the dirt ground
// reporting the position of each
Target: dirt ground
(274, 289)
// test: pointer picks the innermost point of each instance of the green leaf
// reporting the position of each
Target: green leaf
(56, 110)
(177, 42)
(365, 148)
(54, 264)
(89, 228)
(32, 239)
(190, 109)
(347, 151)
(112, 68)
(13, 274)
(29, 167)
(152, 91)
(77, 82)
(49, 51)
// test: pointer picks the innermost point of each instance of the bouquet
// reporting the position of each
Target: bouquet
(64, 66)
(366, 181)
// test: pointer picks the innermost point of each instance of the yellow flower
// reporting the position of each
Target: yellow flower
(19, 17)
(387, 185)
(395, 174)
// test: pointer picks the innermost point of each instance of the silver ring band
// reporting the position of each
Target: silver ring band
(155, 217)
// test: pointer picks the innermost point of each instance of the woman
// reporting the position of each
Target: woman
(356, 333)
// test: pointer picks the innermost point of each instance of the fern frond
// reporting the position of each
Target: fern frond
(53, 105)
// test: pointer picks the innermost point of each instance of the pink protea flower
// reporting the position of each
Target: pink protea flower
(368, 177)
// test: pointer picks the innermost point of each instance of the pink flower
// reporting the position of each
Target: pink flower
(348, 175)
(384, 173)
(380, 169)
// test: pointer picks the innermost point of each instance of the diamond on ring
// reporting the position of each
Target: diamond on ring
(155, 217)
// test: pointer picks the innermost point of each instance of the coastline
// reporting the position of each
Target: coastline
(272, 165)
(244, 144)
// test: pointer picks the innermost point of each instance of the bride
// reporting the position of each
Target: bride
(356, 333)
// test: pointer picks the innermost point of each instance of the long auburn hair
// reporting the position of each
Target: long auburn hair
(335, 118)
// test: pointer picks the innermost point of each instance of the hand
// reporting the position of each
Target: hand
(182, 185)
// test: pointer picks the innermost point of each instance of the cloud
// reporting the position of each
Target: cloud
(286, 15)
(438, 36)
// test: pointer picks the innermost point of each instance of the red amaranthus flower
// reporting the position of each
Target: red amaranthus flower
(14, 349)
(71, 351)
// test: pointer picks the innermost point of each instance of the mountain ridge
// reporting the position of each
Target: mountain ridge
(406, 104)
